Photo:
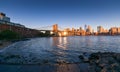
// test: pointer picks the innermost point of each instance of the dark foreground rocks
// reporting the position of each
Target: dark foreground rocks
(95, 62)
(103, 62)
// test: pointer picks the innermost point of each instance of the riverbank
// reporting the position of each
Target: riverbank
(96, 62)
(103, 62)
(41, 52)
(4, 44)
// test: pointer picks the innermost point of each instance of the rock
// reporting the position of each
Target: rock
(86, 59)
(98, 69)
(118, 58)
(97, 62)
(92, 68)
(114, 64)
(111, 60)
(94, 56)
(1, 43)
(102, 65)
(104, 62)
(104, 70)
(81, 57)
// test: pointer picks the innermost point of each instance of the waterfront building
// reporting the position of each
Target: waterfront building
(67, 29)
(85, 27)
(4, 18)
(89, 29)
(80, 28)
(73, 31)
(6, 24)
(106, 31)
(114, 30)
(100, 29)
(118, 30)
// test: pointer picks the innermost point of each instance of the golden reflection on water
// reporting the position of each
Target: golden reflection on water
(60, 42)
(65, 40)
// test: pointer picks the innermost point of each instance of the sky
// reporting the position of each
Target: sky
(65, 13)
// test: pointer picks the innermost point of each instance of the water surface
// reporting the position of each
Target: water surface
(57, 49)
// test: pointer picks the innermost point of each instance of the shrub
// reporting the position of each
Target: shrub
(9, 35)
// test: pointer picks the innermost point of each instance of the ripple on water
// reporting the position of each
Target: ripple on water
(57, 49)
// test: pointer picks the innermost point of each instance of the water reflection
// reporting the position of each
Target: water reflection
(65, 40)
(60, 49)
(60, 42)
(88, 41)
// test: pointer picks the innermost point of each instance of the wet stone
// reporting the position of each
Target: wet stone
(103, 62)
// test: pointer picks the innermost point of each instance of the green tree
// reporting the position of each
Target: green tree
(9, 35)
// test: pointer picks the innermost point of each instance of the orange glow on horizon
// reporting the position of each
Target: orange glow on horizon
(60, 34)
(65, 33)
(51, 32)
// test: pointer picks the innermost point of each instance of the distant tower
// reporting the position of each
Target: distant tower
(80, 28)
(100, 29)
(89, 29)
(85, 27)
(55, 28)
(92, 30)
(73, 29)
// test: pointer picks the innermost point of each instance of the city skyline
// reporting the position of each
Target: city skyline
(66, 13)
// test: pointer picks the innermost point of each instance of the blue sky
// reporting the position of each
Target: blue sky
(66, 13)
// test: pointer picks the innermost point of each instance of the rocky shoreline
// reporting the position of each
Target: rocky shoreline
(4, 44)
(102, 62)
(95, 62)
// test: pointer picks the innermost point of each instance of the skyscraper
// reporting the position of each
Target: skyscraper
(100, 29)
(89, 29)
(80, 28)
(85, 27)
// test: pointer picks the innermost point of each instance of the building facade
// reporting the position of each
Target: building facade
(23, 31)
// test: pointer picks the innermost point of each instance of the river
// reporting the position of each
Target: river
(57, 49)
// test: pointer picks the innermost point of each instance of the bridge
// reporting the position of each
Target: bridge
(55, 30)
(59, 31)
